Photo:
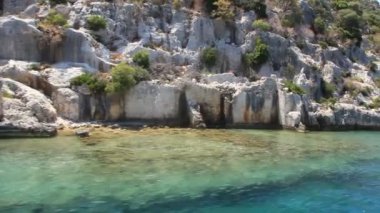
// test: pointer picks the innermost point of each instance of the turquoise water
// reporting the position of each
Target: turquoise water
(174, 170)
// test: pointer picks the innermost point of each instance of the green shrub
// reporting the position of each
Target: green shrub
(328, 89)
(96, 22)
(94, 82)
(372, 67)
(319, 25)
(339, 4)
(289, 71)
(177, 4)
(224, 9)
(261, 25)
(6, 94)
(350, 23)
(300, 43)
(258, 6)
(375, 103)
(55, 2)
(124, 77)
(292, 19)
(294, 88)
(377, 82)
(141, 58)
(209, 56)
(328, 101)
(210, 6)
(56, 19)
(323, 44)
(258, 56)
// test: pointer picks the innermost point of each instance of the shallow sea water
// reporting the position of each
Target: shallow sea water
(184, 170)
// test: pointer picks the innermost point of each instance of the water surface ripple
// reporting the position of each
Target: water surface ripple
(182, 170)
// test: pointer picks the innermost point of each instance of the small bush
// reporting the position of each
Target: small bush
(55, 19)
(328, 89)
(350, 23)
(377, 82)
(292, 20)
(94, 82)
(372, 67)
(7, 94)
(261, 25)
(96, 22)
(258, 56)
(210, 6)
(375, 103)
(319, 25)
(55, 2)
(340, 4)
(355, 89)
(300, 43)
(224, 9)
(258, 6)
(125, 77)
(328, 101)
(141, 58)
(294, 88)
(289, 71)
(209, 56)
(177, 4)
(323, 44)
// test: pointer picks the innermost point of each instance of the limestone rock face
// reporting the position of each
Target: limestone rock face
(19, 39)
(80, 47)
(290, 109)
(16, 6)
(20, 71)
(155, 102)
(27, 109)
(202, 33)
(352, 116)
(67, 103)
(336, 56)
(256, 105)
(230, 58)
(224, 78)
(24, 42)
(33, 102)
(208, 98)
(345, 117)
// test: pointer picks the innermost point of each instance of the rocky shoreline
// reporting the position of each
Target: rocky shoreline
(220, 101)
(303, 84)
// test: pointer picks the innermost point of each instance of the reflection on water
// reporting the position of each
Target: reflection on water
(192, 171)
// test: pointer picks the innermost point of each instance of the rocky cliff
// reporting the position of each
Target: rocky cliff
(258, 64)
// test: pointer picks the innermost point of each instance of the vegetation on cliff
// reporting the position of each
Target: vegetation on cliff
(121, 78)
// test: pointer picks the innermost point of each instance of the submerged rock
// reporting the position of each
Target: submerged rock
(82, 133)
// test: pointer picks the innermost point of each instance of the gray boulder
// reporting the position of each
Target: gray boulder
(67, 103)
(19, 39)
(201, 33)
(26, 111)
